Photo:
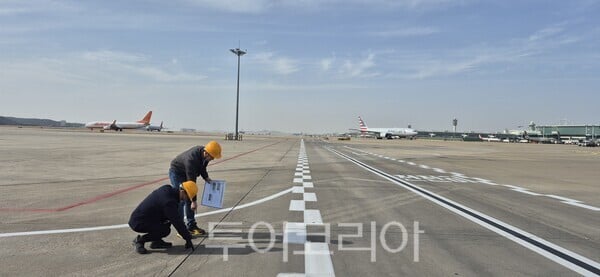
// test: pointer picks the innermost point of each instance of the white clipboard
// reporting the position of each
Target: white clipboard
(213, 194)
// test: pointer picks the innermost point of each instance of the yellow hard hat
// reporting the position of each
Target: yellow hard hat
(214, 149)
(190, 188)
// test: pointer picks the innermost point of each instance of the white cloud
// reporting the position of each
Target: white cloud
(163, 75)
(236, 6)
(459, 61)
(81, 68)
(406, 32)
(131, 63)
(326, 63)
(261, 43)
(14, 8)
(545, 33)
(112, 57)
(260, 6)
(359, 68)
(12, 11)
(435, 68)
(279, 65)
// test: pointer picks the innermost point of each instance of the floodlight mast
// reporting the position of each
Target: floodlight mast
(238, 52)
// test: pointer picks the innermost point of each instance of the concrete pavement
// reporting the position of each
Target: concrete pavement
(71, 182)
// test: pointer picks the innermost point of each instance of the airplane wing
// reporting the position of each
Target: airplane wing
(112, 126)
(365, 132)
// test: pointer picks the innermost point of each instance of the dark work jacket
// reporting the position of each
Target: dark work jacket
(190, 164)
(161, 205)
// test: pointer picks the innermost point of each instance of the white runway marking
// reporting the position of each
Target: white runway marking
(317, 259)
(296, 205)
(553, 252)
(307, 184)
(439, 170)
(295, 232)
(583, 206)
(522, 190)
(297, 189)
(312, 217)
(565, 200)
(310, 197)
(109, 227)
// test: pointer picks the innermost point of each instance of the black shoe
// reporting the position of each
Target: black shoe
(195, 231)
(160, 244)
(138, 243)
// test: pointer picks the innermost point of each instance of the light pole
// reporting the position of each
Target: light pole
(239, 53)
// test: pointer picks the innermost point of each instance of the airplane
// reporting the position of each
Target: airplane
(541, 139)
(388, 133)
(151, 128)
(119, 126)
(490, 138)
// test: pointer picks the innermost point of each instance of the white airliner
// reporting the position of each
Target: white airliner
(541, 139)
(388, 133)
(151, 128)
(490, 138)
(119, 126)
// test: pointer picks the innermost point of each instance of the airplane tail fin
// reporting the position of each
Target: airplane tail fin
(161, 124)
(362, 125)
(146, 119)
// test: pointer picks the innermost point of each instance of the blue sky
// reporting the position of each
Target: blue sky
(312, 66)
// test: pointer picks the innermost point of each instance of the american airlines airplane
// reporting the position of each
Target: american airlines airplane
(119, 126)
(388, 133)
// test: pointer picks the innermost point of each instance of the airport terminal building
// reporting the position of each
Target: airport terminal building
(564, 131)
(569, 131)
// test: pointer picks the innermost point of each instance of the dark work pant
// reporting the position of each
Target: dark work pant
(154, 230)
(185, 209)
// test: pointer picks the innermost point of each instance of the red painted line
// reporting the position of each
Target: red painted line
(111, 194)
(107, 195)
(27, 210)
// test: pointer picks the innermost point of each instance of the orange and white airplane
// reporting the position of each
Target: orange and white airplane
(119, 126)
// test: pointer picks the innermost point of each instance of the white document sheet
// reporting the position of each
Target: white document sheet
(213, 194)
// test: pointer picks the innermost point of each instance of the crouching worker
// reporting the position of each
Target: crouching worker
(157, 212)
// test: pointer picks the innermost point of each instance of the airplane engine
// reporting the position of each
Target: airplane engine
(112, 127)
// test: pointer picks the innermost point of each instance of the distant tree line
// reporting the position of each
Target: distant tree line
(6, 120)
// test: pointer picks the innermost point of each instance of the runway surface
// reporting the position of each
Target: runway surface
(303, 207)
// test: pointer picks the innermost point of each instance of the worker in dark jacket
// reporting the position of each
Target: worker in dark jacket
(157, 212)
(186, 167)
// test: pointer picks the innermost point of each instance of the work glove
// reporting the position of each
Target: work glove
(189, 244)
